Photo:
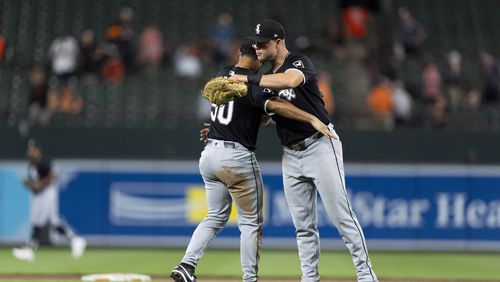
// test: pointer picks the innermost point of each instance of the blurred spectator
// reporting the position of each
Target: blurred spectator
(38, 112)
(324, 84)
(471, 100)
(438, 115)
(380, 102)
(412, 33)
(91, 57)
(64, 53)
(431, 79)
(491, 71)
(151, 47)
(335, 34)
(454, 80)
(113, 69)
(187, 61)
(66, 102)
(39, 91)
(3, 47)
(222, 36)
(122, 34)
(355, 18)
(402, 104)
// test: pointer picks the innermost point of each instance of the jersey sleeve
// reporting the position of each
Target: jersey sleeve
(259, 97)
(302, 64)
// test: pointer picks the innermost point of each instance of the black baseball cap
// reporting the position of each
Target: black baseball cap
(268, 30)
(246, 47)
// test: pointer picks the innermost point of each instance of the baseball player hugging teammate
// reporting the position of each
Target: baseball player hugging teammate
(230, 170)
(42, 182)
(310, 162)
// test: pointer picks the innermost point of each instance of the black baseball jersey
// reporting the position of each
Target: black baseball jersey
(238, 120)
(43, 169)
(39, 171)
(306, 97)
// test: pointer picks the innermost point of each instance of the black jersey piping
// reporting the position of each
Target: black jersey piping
(350, 210)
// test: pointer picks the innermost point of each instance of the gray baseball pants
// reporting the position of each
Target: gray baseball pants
(320, 168)
(231, 173)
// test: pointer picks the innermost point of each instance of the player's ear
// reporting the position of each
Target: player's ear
(279, 42)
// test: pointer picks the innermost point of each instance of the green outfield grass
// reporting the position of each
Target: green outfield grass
(159, 262)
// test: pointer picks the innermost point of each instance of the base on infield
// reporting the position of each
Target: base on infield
(117, 277)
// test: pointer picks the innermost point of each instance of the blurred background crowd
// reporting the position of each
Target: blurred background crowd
(382, 65)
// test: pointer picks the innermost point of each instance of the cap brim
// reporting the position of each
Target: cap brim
(259, 39)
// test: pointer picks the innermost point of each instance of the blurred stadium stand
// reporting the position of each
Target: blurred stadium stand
(163, 101)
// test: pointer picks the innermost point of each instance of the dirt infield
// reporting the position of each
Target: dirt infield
(77, 277)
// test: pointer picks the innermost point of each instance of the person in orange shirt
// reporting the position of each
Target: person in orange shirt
(380, 102)
(324, 82)
(379, 99)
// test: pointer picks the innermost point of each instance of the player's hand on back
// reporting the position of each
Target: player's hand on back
(321, 127)
(204, 132)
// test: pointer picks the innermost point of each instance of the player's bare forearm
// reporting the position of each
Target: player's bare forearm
(289, 79)
(286, 109)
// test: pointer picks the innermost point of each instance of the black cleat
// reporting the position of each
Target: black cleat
(182, 274)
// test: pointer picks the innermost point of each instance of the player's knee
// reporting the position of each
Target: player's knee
(309, 232)
(217, 220)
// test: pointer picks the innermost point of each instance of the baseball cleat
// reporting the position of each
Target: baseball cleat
(78, 245)
(181, 274)
(25, 254)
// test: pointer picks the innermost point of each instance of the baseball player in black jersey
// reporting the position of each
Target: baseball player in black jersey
(311, 163)
(41, 180)
(231, 172)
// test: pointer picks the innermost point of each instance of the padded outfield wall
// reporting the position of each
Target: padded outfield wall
(157, 203)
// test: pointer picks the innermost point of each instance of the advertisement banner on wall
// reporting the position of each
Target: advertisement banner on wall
(399, 206)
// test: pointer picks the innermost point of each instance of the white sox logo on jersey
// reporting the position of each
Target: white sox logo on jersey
(288, 94)
(257, 29)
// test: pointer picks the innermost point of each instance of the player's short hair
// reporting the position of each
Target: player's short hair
(246, 48)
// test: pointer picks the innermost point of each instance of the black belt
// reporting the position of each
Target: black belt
(302, 145)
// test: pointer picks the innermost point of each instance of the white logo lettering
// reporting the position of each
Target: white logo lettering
(381, 212)
(450, 210)
(257, 29)
(455, 211)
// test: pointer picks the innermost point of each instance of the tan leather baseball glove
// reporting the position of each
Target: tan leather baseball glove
(221, 90)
